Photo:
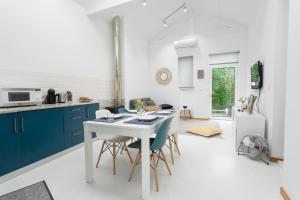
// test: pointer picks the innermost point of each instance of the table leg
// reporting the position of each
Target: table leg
(145, 168)
(88, 148)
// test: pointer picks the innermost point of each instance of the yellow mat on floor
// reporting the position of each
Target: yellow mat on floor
(204, 131)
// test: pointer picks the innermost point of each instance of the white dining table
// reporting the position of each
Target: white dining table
(144, 132)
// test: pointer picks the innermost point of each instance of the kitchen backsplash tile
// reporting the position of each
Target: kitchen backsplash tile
(98, 88)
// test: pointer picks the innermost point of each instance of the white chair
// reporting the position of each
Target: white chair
(173, 134)
(112, 143)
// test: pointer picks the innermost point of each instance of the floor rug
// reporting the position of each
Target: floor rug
(38, 191)
(205, 131)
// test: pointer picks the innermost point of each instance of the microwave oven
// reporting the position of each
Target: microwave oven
(13, 97)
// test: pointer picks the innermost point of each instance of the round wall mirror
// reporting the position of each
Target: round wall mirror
(164, 76)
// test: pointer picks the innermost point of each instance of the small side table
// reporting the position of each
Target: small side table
(185, 113)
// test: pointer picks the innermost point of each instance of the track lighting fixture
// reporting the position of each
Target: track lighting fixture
(182, 7)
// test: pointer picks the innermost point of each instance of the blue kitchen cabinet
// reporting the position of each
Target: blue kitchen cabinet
(41, 134)
(27, 137)
(74, 137)
(91, 113)
(73, 123)
(9, 144)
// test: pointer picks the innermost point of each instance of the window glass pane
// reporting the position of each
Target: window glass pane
(185, 73)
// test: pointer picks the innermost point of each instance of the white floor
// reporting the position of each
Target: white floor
(208, 169)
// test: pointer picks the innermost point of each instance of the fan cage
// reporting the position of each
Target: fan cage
(254, 146)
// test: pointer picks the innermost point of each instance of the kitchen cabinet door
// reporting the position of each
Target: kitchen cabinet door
(91, 113)
(41, 134)
(73, 138)
(9, 143)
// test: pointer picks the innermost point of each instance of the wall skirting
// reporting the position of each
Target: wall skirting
(284, 194)
(275, 159)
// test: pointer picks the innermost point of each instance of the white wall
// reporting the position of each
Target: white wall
(52, 43)
(162, 54)
(279, 87)
(291, 173)
(136, 70)
(268, 43)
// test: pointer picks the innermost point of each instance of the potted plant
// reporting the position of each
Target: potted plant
(140, 107)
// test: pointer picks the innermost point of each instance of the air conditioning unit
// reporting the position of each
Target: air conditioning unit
(188, 43)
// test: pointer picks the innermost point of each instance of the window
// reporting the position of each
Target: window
(185, 72)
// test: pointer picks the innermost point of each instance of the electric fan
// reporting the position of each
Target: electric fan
(255, 147)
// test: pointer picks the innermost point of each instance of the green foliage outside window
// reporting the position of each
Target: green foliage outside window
(223, 88)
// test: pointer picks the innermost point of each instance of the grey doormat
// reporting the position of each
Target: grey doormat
(38, 191)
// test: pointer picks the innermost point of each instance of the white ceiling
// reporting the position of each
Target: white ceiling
(240, 11)
(203, 16)
(84, 2)
(149, 18)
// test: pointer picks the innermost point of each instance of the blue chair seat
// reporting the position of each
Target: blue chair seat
(138, 144)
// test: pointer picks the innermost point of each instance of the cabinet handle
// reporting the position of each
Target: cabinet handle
(15, 126)
(77, 109)
(88, 113)
(74, 118)
(76, 133)
(22, 125)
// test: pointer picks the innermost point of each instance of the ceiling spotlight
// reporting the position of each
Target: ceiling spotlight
(185, 8)
(144, 3)
(165, 24)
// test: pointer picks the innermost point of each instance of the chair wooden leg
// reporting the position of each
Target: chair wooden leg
(134, 165)
(176, 144)
(155, 172)
(165, 161)
(171, 149)
(114, 158)
(100, 154)
(190, 114)
(126, 149)
(122, 149)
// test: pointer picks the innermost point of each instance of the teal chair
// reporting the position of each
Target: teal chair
(122, 110)
(157, 153)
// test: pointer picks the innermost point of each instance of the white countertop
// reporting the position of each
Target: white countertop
(43, 106)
